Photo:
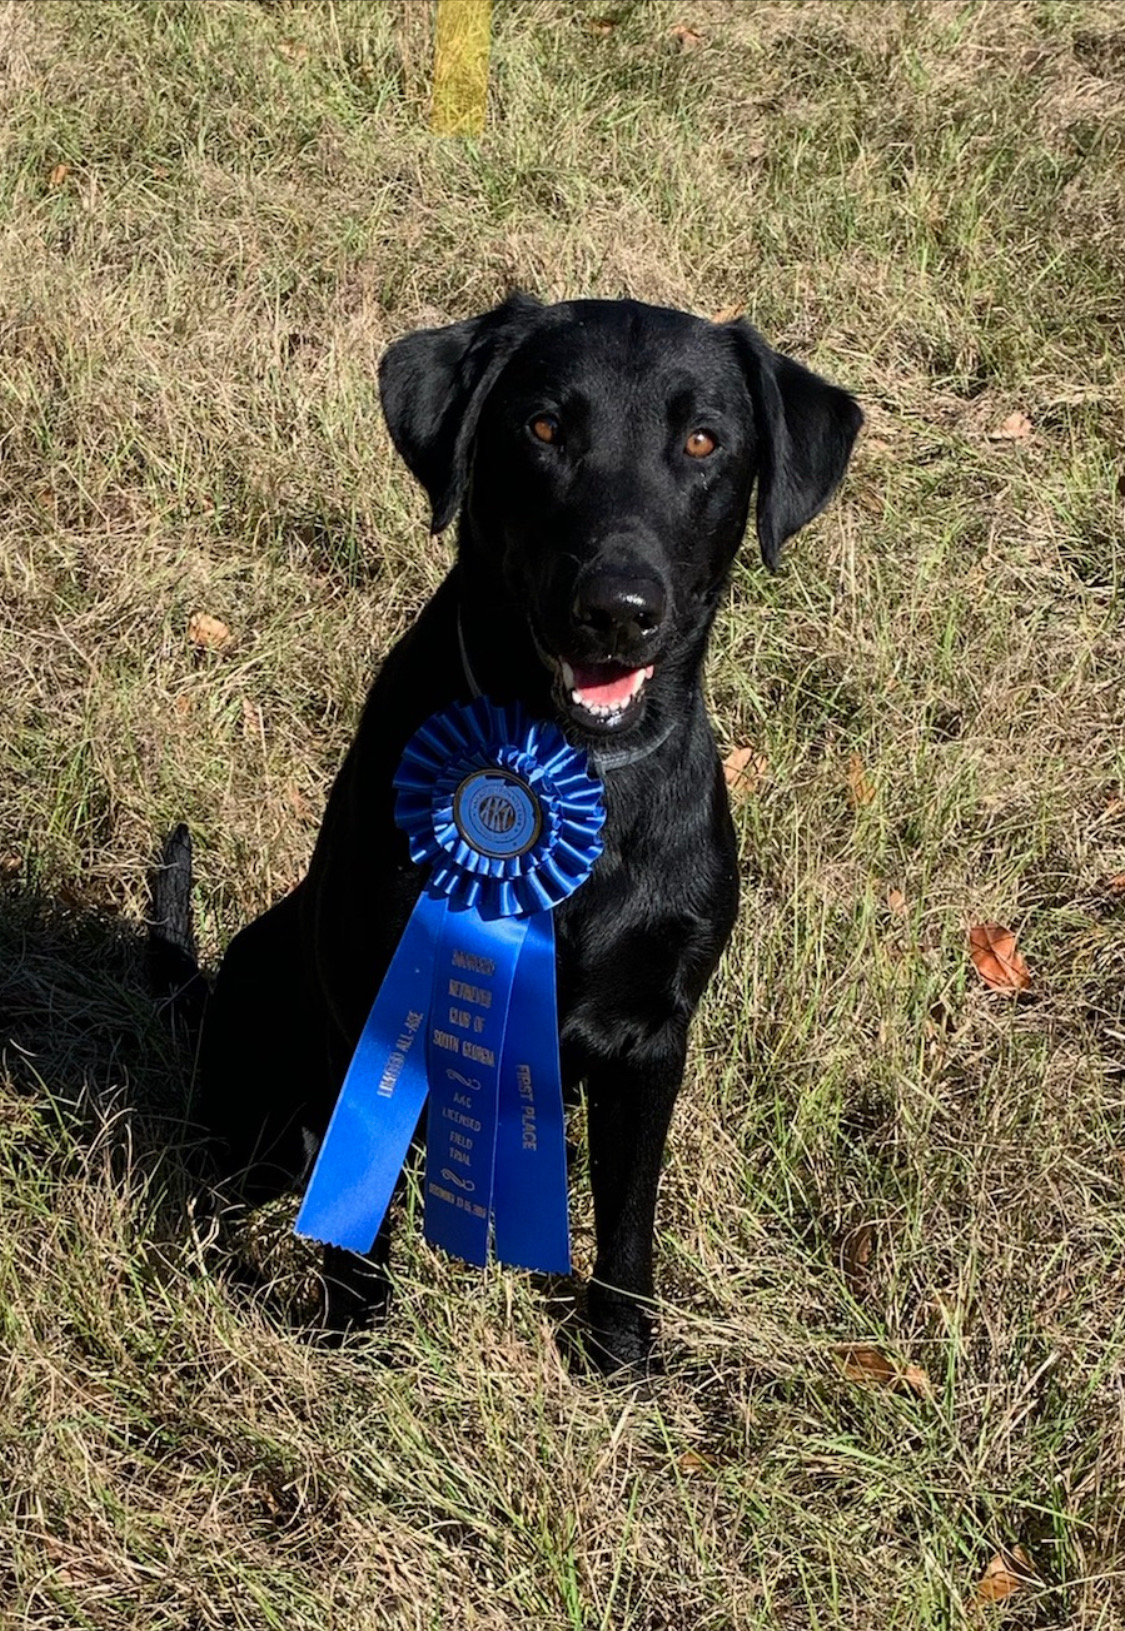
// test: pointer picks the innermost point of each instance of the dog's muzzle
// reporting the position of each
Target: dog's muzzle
(616, 616)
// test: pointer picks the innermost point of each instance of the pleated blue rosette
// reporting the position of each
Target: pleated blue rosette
(507, 817)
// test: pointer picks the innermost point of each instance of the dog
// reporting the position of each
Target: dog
(602, 456)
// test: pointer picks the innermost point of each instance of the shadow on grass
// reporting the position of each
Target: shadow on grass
(101, 1072)
(80, 1029)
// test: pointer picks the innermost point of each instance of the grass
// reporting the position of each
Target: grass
(212, 218)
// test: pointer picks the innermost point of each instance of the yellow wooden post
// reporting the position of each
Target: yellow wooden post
(462, 37)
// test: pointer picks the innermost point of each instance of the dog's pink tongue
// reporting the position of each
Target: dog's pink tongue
(595, 685)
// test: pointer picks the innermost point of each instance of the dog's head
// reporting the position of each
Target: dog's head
(604, 454)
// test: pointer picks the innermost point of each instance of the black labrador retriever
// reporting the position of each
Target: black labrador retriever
(602, 455)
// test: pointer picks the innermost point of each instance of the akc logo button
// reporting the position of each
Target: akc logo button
(497, 813)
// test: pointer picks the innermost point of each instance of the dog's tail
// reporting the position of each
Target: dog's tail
(173, 967)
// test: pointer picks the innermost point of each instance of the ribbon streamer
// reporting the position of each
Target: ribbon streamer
(507, 817)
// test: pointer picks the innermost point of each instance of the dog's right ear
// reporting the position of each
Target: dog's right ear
(433, 384)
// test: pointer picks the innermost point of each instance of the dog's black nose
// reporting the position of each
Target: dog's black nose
(621, 609)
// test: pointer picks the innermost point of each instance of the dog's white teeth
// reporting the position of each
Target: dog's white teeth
(603, 710)
(604, 698)
(610, 710)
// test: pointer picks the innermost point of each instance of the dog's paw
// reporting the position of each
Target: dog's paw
(621, 1333)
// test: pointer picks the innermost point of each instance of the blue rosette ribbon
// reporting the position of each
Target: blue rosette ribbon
(508, 819)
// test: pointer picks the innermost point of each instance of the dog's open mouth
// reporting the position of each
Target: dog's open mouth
(602, 694)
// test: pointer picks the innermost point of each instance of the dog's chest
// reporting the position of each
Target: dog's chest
(638, 941)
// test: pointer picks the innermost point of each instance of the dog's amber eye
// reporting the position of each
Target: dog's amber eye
(700, 443)
(546, 427)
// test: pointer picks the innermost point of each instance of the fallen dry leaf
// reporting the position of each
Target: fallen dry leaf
(58, 175)
(855, 1256)
(1016, 428)
(918, 1381)
(692, 1463)
(938, 1026)
(896, 900)
(298, 801)
(1116, 883)
(992, 949)
(860, 790)
(685, 37)
(1007, 1572)
(862, 1362)
(601, 25)
(70, 1566)
(10, 865)
(940, 1019)
(727, 314)
(211, 632)
(744, 771)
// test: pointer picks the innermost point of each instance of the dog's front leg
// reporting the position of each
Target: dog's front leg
(629, 1109)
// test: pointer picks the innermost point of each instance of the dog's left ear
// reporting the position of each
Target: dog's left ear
(432, 385)
(806, 428)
